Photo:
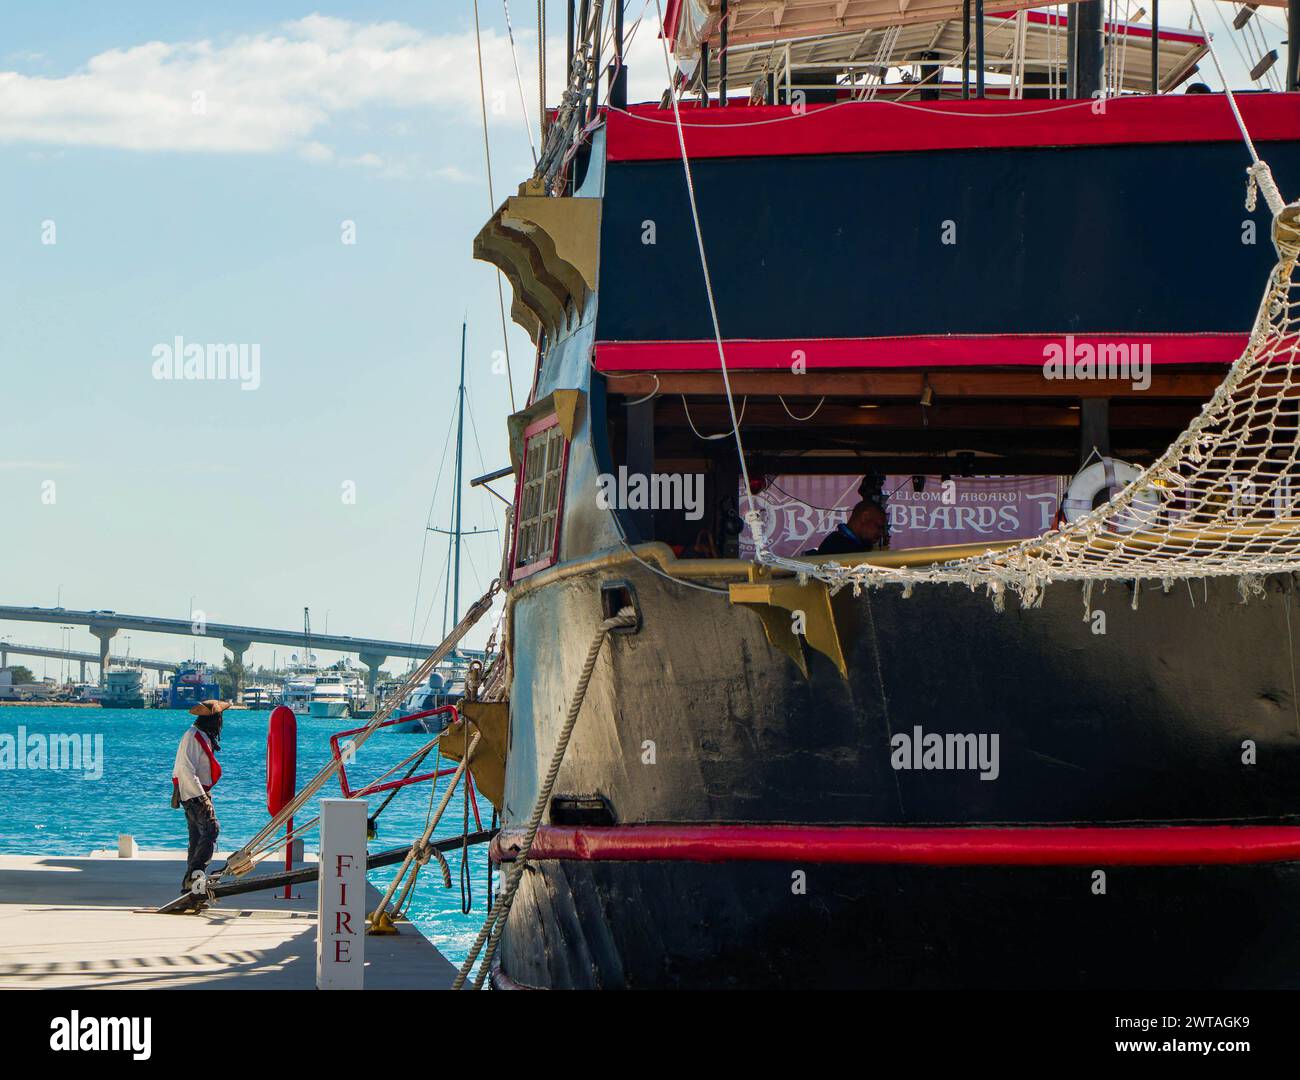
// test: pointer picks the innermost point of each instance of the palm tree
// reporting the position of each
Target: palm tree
(231, 678)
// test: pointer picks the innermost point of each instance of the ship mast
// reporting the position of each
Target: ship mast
(1086, 50)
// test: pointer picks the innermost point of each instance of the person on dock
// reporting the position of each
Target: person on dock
(193, 776)
(864, 531)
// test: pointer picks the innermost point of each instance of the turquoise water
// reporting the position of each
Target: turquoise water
(60, 813)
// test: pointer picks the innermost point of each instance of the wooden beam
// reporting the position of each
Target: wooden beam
(982, 415)
(1196, 384)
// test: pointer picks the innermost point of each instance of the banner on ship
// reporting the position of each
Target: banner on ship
(798, 511)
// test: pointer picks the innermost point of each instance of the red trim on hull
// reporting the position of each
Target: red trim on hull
(648, 133)
(1171, 845)
(932, 351)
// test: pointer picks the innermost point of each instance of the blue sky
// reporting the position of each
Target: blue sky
(197, 165)
(167, 490)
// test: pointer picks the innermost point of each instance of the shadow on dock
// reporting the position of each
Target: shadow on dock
(87, 923)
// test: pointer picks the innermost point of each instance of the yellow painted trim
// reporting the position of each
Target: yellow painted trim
(548, 249)
(812, 599)
(571, 225)
(565, 403)
(724, 571)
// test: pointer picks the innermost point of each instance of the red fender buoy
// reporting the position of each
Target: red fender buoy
(281, 758)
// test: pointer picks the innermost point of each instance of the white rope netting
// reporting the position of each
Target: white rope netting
(1223, 500)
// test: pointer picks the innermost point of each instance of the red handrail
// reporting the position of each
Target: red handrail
(391, 785)
(919, 845)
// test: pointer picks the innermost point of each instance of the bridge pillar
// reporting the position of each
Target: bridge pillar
(83, 671)
(373, 662)
(105, 634)
(237, 649)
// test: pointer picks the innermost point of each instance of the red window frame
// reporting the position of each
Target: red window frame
(551, 556)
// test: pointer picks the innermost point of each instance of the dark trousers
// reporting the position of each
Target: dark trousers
(204, 828)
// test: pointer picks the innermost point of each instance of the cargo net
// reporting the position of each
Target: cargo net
(1223, 500)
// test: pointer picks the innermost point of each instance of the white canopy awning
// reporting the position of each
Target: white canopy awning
(941, 43)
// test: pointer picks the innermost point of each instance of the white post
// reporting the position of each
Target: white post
(341, 906)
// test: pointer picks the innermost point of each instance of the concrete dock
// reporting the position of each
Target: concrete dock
(84, 923)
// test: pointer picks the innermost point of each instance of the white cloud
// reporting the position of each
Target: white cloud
(453, 174)
(315, 151)
(263, 92)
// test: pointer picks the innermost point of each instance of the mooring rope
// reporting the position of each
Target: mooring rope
(419, 852)
(241, 861)
(496, 919)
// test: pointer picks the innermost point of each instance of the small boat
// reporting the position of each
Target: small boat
(259, 697)
(192, 683)
(437, 691)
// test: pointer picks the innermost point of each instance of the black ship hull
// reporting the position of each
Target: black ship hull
(1181, 715)
(672, 925)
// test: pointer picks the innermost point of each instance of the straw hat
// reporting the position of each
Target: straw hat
(210, 708)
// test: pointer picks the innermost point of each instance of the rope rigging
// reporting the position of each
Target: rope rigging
(500, 911)
(492, 202)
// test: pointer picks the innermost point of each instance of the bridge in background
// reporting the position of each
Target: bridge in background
(104, 625)
(83, 658)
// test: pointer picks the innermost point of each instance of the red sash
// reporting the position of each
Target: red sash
(212, 762)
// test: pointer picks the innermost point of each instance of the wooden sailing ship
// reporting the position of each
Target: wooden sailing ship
(887, 261)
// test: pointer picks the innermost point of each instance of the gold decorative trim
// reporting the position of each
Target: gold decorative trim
(547, 248)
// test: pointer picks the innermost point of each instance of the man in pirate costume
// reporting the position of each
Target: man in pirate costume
(193, 776)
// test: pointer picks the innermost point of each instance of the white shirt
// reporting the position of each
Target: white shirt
(193, 770)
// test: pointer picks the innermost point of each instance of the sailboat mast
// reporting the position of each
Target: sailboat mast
(460, 445)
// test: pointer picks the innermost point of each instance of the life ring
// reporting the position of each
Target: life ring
(1111, 476)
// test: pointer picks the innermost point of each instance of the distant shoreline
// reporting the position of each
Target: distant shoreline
(96, 705)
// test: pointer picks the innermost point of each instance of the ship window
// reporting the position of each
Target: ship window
(537, 518)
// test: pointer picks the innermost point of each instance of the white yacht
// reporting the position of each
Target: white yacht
(336, 693)
(299, 685)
